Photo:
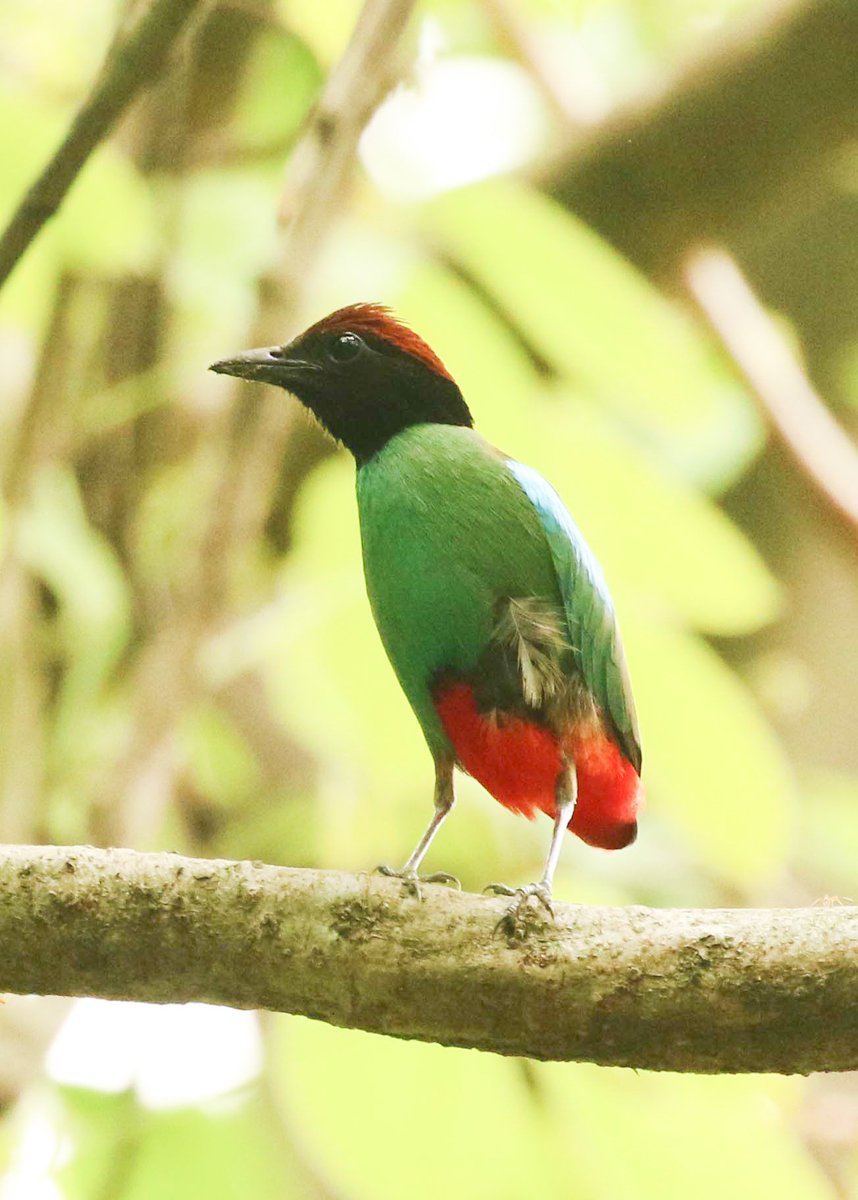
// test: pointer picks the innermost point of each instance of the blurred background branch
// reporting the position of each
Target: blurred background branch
(798, 416)
(133, 65)
(244, 450)
(737, 134)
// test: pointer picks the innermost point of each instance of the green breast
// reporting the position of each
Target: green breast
(446, 532)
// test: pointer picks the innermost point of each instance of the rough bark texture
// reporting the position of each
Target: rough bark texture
(721, 990)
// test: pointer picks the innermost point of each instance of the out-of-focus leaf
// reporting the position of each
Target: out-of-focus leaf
(279, 83)
(714, 767)
(499, 1127)
(228, 229)
(411, 1119)
(493, 370)
(218, 1152)
(659, 539)
(828, 846)
(55, 48)
(56, 540)
(669, 543)
(121, 403)
(100, 1130)
(325, 30)
(650, 1136)
(598, 322)
(29, 130)
(331, 649)
(330, 679)
(169, 519)
(108, 222)
(28, 134)
(220, 762)
(276, 828)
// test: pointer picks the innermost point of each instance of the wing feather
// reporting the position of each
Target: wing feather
(592, 623)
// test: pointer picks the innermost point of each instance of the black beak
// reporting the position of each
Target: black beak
(269, 364)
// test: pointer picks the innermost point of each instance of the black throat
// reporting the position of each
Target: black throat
(365, 403)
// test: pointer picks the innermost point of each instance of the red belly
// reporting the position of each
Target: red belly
(518, 762)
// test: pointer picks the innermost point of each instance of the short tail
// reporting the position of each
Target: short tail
(610, 795)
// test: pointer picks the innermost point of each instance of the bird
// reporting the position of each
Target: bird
(493, 610)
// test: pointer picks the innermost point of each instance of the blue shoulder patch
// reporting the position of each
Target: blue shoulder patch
(557, 520)
(589, 609)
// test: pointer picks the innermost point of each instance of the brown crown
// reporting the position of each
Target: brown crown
(376, 320)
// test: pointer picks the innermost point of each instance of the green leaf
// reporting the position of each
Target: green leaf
(219, 1151)
(57, 541)
(325, 30)
(828, 845)
(220, 762)
(227, 238)
(715, 770)
(644, 1135)
(382, 1119)
(108, 223)
(29, 131)
(667, 544)
(598, 322)
(662, 542)
(100, 1130)
(222, 1151)
(279, 81)
(330, 679)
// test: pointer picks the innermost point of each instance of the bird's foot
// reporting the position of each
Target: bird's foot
(411, 881)
(521, 915)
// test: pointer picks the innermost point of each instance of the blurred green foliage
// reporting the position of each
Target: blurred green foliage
(267, 723)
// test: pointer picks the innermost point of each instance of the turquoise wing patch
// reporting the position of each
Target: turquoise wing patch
(592, 623)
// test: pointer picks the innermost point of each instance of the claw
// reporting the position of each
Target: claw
(500, 889)
(442, 877)
(411, 880)
(519, 916)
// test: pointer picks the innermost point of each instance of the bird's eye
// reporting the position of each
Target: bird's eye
(346, 347)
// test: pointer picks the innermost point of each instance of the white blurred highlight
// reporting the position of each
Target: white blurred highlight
(171, 1054)
(39, 1150)
(464, 118)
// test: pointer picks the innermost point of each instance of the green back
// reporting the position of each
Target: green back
(446, 530)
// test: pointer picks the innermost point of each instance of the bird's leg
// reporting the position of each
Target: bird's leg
(566, 796)
(444, 800)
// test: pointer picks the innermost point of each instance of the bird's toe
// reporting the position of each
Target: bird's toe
(521, 916)
(500, 889)
(442, 877)
(411, 881)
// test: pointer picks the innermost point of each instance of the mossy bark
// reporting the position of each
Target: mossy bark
(722, 990)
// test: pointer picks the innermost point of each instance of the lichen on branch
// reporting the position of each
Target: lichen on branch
(720, 990)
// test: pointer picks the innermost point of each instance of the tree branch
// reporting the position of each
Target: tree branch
(737, 133)
(799, 417)
(719, 990)
(125, 72)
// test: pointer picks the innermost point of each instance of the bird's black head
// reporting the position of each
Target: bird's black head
(364, 375)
